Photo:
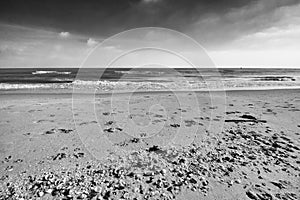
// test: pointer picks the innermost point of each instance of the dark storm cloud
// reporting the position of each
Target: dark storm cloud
(101, 18)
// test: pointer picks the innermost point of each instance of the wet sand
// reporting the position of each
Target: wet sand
(245, 145)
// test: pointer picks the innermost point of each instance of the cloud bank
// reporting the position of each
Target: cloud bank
(231, 29)
(210, 21)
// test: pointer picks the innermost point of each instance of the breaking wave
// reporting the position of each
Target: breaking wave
(50, 72)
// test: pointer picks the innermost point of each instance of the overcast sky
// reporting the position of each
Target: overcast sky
(43, 33)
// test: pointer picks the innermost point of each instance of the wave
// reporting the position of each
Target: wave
(16, 86)
(36, 80)
(178, 84)
(50, 72)
(139, 72)
(275, 78)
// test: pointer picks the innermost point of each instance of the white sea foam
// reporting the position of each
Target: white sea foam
(6, 86)
(177, 84)
(50, 72)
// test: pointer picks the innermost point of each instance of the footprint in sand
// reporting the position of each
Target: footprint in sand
(189, 123)
(43, 120)
(57, 130)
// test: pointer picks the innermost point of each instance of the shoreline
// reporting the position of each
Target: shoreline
(68, 91)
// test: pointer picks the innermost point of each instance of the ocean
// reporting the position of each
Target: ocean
(148, 79)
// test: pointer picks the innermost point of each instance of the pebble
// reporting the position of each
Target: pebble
(251, 195)
(41, 194)
(238, 181)
(163, 171)
(49, 191)
(97, 189)
(172, 171)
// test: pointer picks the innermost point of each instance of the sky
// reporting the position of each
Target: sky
(234, 33)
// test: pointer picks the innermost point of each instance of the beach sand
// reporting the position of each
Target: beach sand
(151, 145)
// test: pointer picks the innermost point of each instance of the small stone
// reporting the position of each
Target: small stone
(204, 182)
(41, 194)
(100, 197)
(252, 157)
(97, 189)
(49, 191)
(136, 190)
(238, 181)
(193, 181)
(251, 195)
(138, 177)
(148, 173)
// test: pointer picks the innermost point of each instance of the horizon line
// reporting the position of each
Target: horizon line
(219, 67)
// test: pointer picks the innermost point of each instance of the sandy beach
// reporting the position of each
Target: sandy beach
(149, 146)
(150, 100)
